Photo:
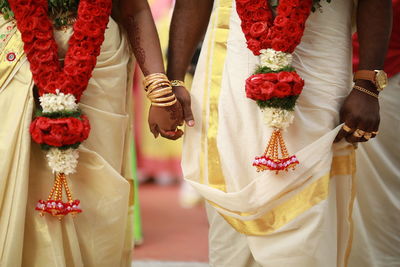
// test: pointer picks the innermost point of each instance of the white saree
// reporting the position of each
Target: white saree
(101, 235)
(296, 218)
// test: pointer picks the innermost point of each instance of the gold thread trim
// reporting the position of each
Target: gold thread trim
(221, 34)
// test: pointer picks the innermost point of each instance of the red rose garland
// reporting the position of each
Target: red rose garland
(275, 85)
(61, 127)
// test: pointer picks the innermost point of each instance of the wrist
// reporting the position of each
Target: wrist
(368, 85)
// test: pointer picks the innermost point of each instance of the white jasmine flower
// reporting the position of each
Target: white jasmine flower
(278, 118)
(58, 102)
(275, 60)
(63, 161)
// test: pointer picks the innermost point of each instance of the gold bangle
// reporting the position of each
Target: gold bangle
(157, 83)
(177, 83)
(165, 104)
(359, 88)
(156, 87)
(160, 93)
(163, 99)
(154, 78)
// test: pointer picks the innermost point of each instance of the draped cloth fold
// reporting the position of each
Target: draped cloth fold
(101, 235)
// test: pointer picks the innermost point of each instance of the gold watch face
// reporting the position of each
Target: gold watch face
(381, 79)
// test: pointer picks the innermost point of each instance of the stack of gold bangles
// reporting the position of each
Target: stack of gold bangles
(159, 90)
(359, 133)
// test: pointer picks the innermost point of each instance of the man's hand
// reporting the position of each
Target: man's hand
(360, 111)
(165, 120)
(183, 96)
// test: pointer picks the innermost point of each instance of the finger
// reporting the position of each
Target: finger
(187, 109)
(188, 115)
(356, 136)
(342, 133)
(154, 130)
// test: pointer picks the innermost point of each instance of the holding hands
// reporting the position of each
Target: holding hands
(169, 108)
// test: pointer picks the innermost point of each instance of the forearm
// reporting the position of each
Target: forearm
(137, 20)
(374, 22)
(188, 25)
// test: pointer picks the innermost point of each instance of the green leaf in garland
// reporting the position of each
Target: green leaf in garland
(286, 103)
(47, 147)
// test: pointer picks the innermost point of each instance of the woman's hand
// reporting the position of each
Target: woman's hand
(360, 111)
(165, 120)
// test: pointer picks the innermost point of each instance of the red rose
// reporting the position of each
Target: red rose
(280, 21)
(265, 41)
(256, 4)
(254, 45)
(285, 76)
(267, 90)
(298, 84)
(284, 10)
(293, 3)
(282, 90)
(271, 77)
(246, 27)
(43, 35)
(258, 29)
(262, 15)
(43, 45)
(280, 45)
(242, 2)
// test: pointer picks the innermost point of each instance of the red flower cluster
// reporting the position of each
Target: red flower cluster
(41, 49)
(282, 33)
(265, 86)
(60, 132)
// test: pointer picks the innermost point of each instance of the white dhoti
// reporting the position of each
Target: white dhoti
(377, 207)
(100, 236)
(298, 218)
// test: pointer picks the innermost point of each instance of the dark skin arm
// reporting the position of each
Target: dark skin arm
(137, 20)
(360, 110)
(188, 26)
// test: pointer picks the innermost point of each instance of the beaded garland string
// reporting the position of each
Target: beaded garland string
(60, 126)
(275, 85)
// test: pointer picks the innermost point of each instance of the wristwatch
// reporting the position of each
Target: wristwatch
(377, 77)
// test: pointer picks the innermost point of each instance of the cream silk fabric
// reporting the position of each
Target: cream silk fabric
(301, 217)
(377, 209)
(100, 236)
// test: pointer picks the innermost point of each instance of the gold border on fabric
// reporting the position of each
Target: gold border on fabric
(220, 35)
(296, 205)
(16, 46)
(204, 106)
(352, 159)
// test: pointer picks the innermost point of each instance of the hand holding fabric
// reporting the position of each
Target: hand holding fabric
(360, 111)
